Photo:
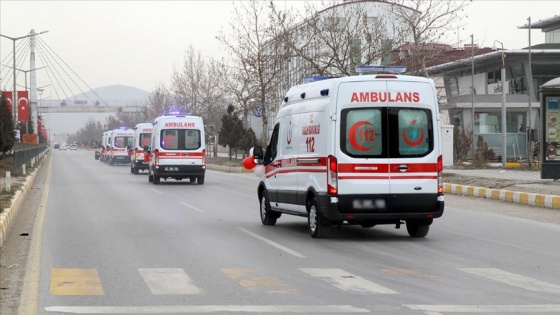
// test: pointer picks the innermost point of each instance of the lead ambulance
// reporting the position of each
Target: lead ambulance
(142, 139)
(362, 150)
(177, 149)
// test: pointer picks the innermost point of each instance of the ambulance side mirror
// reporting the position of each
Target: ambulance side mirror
(258, 153)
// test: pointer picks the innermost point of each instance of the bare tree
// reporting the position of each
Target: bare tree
(249, 41)
(187, 79)
(429, 24)
(160, 102)
(333, 39)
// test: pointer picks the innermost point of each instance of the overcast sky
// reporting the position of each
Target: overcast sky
(139, 43)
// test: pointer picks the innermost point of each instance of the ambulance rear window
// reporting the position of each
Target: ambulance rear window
(123, 142)
(386, 132)
(415, 132)
(180, 139)
(361, 132)
(144, 139)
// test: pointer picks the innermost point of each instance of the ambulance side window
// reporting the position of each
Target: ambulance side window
(272, 148)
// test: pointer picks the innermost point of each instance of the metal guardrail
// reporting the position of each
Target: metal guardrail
(25, 154)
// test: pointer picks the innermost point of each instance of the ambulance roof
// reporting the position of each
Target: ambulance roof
(323, 88)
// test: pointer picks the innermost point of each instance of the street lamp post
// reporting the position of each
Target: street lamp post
(14, 96)
(503, 79)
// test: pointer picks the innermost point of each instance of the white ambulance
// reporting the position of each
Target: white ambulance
(118, 142)
(141, 140)
(362, 150)
(177, 149)
(105, 147)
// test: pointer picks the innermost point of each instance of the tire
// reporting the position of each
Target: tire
(131, 169)
(151, 178)
(267, 215)
(200, 180)
(318, 226)
(417, 229)
(192, 179)
(156, 179)
(135, 170)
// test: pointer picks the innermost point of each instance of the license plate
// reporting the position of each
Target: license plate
(368, 204)
(171, 169)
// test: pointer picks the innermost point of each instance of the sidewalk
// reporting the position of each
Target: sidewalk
(510, 185)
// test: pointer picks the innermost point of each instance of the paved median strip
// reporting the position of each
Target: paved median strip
(538, 200)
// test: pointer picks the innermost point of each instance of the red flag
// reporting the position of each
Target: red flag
(23, 105)
(8, 96)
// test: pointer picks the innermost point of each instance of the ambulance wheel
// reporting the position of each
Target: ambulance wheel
(135, 170)
(156, 179)
(318, 226)
(150, 178)
(131, 169)
(417, 229)
(200, 180)
(268, 217)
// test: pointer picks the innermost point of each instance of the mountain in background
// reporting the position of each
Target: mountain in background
(115, 92)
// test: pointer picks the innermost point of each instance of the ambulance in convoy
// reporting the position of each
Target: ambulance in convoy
(118, 142)
(142, 138)
(361, 150)
(105, 147)
(177, 149)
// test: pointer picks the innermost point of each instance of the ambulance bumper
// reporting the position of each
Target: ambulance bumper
(179, 171)
(381, 207)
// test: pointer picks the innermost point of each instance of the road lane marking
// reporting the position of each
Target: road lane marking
(157, 191)
(253, 283)
(280, 247)
(168, 281)
(197, 309)
(347, 281)
(192, 207)
(73, 281)
(514, 279)
(486, 309)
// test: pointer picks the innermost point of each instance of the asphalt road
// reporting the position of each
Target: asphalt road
(106, 241)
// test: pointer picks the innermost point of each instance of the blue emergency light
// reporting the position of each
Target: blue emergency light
(314, 78)
(380, 69)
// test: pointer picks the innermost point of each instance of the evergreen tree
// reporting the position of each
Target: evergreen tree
(232, 131)
(7, 136)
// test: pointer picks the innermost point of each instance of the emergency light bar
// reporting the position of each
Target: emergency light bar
(380, 69)
(315, 78)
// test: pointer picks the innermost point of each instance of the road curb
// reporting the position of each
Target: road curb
(538, 200)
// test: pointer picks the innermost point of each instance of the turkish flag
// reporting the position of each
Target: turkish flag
(8, 96)
(23, 105)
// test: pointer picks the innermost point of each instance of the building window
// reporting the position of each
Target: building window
(494, 76)
(491, 122)
(517, 81)
(552, 37)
